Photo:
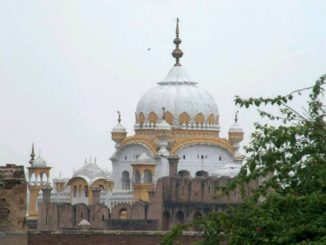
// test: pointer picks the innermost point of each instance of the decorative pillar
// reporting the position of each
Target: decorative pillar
(173, 165)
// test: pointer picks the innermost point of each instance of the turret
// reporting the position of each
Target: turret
(118, 133)
(59, 183)
(236, 136)
(38, 178)
(143, 172)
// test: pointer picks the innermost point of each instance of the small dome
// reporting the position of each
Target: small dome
(84, 224)
(91, 171)
(144, 158)
(119, 129)
(39, 162)
(235, 128)
(163, 125)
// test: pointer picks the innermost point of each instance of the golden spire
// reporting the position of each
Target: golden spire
(32, 155)
(177, 53)
(119, 117)
(236, 117)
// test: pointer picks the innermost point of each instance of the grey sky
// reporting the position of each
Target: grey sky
(66, 67)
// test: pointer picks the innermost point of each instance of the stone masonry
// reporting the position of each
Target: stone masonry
(13, 190)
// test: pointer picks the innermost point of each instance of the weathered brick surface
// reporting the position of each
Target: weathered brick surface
(12, 198)
(132, 225)
(13, 238)
(104, 238)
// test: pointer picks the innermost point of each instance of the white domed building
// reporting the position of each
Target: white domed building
(176, 117)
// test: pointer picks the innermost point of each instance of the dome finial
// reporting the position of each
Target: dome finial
(236, 117)
(32, 154)
(163, 116)
(177, 53)
(119, 117)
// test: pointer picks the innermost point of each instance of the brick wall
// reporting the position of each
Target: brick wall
(104, 238)
(12, 198)
(13, 238)
(132, 224)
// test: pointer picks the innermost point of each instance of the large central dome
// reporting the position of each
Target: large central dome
(177, 100)
(185, 104)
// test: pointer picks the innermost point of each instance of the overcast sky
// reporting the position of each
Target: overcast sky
(66, 67)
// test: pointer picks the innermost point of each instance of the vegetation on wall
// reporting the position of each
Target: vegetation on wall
(287, 156)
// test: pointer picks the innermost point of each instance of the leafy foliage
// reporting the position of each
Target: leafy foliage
(290, 157)
(173, 235)
(289, 161)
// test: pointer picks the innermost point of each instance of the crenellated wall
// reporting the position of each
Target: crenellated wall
(64, 216)
(174, 200)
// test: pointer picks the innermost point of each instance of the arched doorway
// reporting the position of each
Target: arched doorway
(166, 219)
(197, 215)
(123, 214)
(179, 217)
(196, 218)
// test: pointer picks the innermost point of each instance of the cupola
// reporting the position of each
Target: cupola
(119, 132)
(236, 136)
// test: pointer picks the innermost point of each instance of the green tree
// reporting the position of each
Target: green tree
(288, 158)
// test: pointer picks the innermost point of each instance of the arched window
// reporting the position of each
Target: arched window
(148, 178)
(136, 176)
(184, 118)
(211, 119)
(197, 215)
(80, 191)
(183, 173)
(141, 118)
(199, 119)
(123, 214)
(179, 218)
(166, 219)
(125, 180)
(201, 173)
(152, 117)
(33, 179)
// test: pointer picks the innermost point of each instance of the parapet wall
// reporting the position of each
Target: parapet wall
(80, 237)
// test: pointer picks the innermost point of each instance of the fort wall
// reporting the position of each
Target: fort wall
(79, 237)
